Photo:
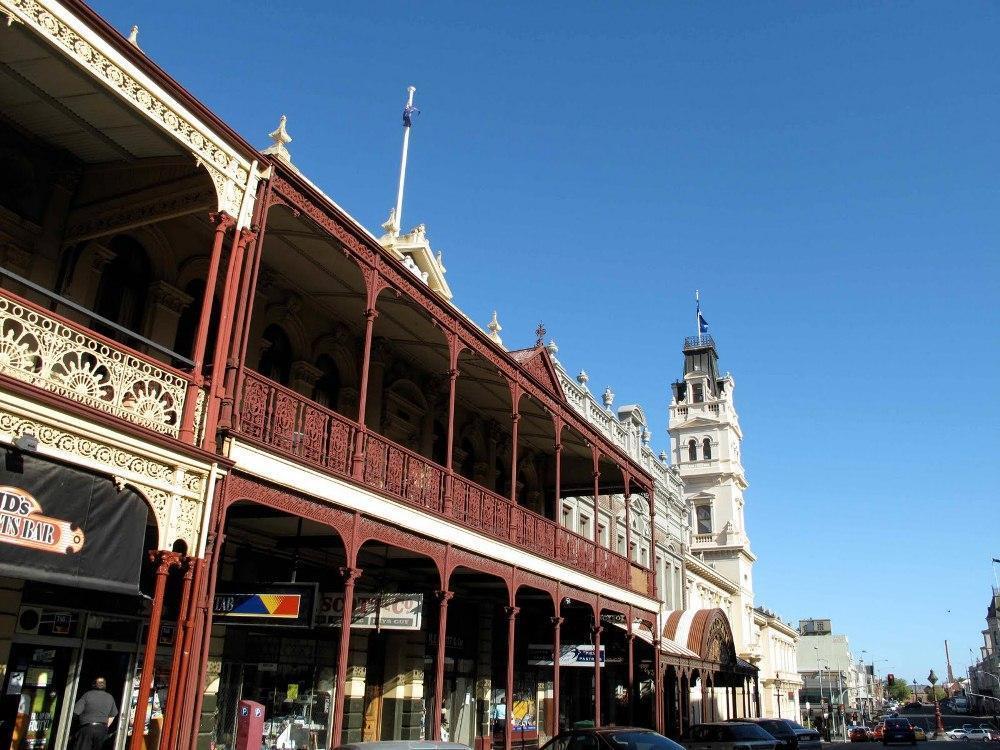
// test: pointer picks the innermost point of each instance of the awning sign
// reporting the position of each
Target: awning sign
(276, 604)
(22, 523)
(371, 611)
(570, 655)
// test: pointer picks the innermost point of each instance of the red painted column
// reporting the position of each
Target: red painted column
(357, 468)
(515, 416)
(443, 598)
(455, 349)
(659, 689)
(631, 676)
(508, 734)
(175, 683)
(222, 222)
(229, 295)
(628, 529)
(597, 493)
(350, 576)
(186, 697)
(164, 561)
(652, 542)
(556, 657)
(597, 668)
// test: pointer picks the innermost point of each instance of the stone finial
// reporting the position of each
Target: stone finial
(133, 36)
(609, 397)
(663, 457)
(552, 347)
(390, 225)
(646, 436)
(582, 378)
(494, 328)
(279, 141)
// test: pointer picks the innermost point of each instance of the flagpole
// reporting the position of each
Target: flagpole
(402, 166)
(697, 314)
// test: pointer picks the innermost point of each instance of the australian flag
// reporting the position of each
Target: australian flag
(702, 323)
(408, 111)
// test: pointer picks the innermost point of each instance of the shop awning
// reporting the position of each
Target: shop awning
(62, 525)
(667, 646)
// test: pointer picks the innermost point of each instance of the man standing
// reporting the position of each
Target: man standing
(95, 710)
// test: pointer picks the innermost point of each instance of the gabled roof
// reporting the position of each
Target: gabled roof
(537, 362)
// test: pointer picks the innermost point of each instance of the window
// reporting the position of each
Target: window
(699, 393)
(692, 450)
(567, 516)
(585, 525)
(704, 516)
(327, 389)
(706, 449)
(621, 544)
(121, 291)
(276, 357)
(602, 534)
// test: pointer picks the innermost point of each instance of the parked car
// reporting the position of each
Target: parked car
(995, 735)
(898, 730)
(789, 734)
(610, 738)
(728, 736)
(956, 734)
(859, 734)
(919, 733)
(878, 731)
(977, 734)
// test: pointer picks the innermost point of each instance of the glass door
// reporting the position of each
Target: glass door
(33, 690)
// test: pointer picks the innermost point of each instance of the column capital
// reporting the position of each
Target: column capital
(165, 560)
(350, 574)
(597, 629)
(371, 314)
(557, 621)
(512, 612)
(222, 221)
(444, 597)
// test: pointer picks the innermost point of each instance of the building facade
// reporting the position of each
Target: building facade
(831, 675)
(984, 673)
(255, 452)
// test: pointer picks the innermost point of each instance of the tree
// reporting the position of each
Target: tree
(937, 694)
(900, 691)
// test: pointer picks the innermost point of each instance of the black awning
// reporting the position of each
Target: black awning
(60, 524)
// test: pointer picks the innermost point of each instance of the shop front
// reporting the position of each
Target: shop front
(73, 570)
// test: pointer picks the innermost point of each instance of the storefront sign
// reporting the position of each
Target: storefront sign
(276, 604)
(63, 525)
(22, 523)
(570, 655)
(374, 611)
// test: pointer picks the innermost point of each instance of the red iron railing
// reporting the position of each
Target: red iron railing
(286, 421)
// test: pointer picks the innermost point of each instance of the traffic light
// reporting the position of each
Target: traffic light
(891, 678)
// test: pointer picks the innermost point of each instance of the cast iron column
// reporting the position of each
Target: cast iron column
(443, 598)
(508, 735)
(631, 676)
(449, 462)
(164, 562)
(556, 659)
(357, 469)
(222, 222)
(597, 669)
(175, 683)
(350, 576)
(597, 504)
(515, 417)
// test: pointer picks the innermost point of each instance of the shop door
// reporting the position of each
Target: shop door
(374, 676)
(32, 696)
(113, 666)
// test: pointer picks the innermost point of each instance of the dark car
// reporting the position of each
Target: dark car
(898, 730)
(790, 735)
(610, 738)
(737, 735)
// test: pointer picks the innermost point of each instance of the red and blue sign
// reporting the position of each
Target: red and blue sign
(280, 604)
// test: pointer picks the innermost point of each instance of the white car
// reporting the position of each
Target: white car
(956, 734)
(977, 734)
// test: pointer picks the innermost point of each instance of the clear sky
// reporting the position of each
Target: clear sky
(826, 173)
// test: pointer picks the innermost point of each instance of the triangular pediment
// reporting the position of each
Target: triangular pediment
(538, 363)
(699, 422)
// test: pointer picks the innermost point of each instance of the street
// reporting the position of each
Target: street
(930, 744)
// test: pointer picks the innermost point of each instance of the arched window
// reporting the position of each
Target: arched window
(706, 448)
(703, 513)
(121, 292)
(692, 450)
(276, 358)
(187, 324)
(327, 389)
(699, 393)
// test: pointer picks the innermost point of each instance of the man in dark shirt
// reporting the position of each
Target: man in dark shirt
(95, 710)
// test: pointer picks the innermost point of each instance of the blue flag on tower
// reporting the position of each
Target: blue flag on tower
(702, 323)
(408, 111)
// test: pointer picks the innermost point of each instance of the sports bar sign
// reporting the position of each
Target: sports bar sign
(22, 523)
(373, 611)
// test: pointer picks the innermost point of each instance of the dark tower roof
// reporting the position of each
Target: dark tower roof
(699, 356)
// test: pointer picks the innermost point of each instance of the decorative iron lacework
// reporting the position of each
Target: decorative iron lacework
(45, 352)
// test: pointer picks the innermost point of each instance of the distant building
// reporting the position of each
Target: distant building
(830, 674)
(984, 674)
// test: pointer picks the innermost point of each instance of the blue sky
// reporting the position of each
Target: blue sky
(826, 174)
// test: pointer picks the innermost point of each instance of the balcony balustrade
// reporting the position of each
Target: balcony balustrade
(54, 354)
(283, 420)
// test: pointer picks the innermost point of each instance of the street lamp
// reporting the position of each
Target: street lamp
(915, 690)
(777, 690)
(938, 724)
